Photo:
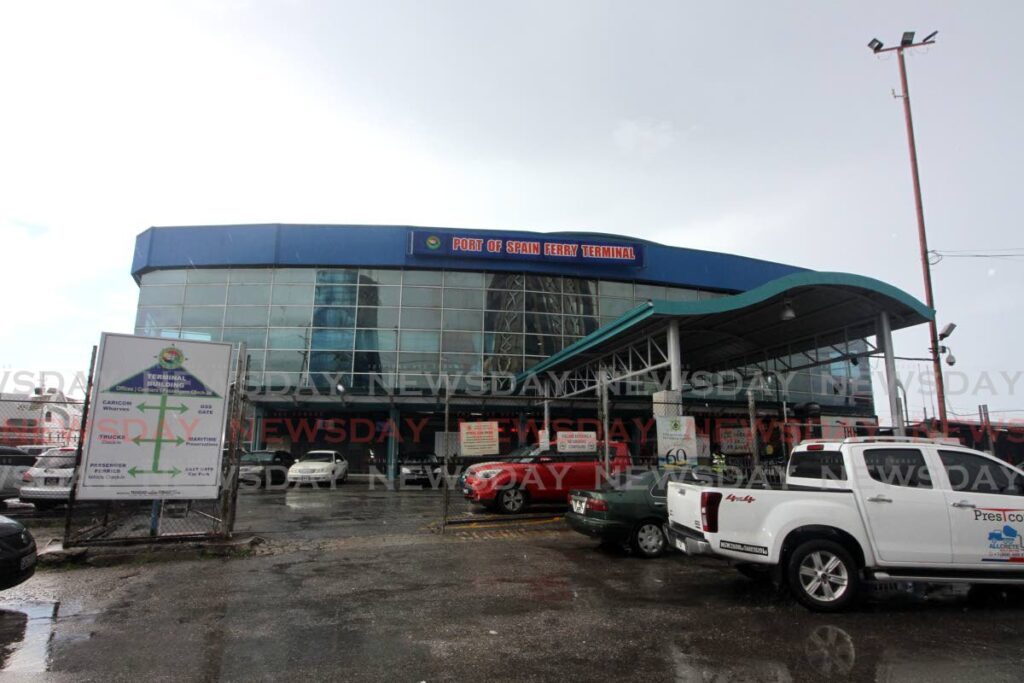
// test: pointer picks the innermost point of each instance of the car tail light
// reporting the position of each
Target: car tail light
(597, 505)
(709, 502)
(27, 476)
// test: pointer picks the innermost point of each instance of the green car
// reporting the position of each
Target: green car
(629, 510)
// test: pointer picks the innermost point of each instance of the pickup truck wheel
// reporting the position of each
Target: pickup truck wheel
(648, 540)
(823, 576)
(512, 501)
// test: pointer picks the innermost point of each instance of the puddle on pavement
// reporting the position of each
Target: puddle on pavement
(825, 651)
(26, 631)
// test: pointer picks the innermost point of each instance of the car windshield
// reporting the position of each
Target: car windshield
(56, 462)
(318, 457)
(421, 458)
(259, 457)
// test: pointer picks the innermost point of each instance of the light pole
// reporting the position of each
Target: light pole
(906, 43)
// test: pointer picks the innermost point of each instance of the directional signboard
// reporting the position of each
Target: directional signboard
(157, 423)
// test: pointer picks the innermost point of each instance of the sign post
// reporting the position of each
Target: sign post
(159, 415)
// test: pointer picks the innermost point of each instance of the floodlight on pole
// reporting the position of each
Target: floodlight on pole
(906, 43)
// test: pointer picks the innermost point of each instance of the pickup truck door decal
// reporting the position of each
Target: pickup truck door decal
(986, 509)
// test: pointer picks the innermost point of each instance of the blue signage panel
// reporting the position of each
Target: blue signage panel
(506, 247)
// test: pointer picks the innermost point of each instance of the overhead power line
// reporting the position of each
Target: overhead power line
(935, 255)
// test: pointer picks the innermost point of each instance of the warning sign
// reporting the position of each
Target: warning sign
(577, 442)
(478, 438)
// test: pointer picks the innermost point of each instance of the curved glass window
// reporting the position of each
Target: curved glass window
(376, 340)
(335, 295)
(457, 279)
(420, 341)
(330, 361)
(421, 318)
(163, 277)
(462, 320)
(324, 316)
(421, 296)
(377, 317)
(205, 294)
(249, 295)
(332, 339)
(290, 316)
(246, 316)
(374, 295)
(161, 295)
(254, 337)
(203, 316)
(339, 276)
(292, 294)
(288, 338)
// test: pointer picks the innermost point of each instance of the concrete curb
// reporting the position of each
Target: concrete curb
(54, 555)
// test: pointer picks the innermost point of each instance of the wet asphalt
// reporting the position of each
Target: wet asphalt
(354, 584)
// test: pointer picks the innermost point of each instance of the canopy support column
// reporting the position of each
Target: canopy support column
(884, 334)
(675, 360)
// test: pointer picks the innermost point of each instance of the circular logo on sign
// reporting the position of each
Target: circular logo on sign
(170, 358)
(433, 242)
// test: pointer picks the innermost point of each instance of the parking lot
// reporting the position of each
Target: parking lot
(353, 583)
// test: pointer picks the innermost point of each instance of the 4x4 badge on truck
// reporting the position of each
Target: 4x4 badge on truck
(739, 499)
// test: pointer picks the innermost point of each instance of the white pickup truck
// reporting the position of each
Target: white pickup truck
(863, 509)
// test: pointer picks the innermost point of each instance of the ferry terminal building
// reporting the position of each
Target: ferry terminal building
(355, 332)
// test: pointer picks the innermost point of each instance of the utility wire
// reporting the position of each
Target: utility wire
(935, 255)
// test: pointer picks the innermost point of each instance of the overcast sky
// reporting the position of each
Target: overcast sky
(764, 129)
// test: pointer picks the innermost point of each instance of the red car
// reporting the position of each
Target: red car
(542, 477)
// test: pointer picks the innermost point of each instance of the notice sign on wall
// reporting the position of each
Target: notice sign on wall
(734, 440)
(479, 438)
(677, 441)
(577, 442)
(157, 415)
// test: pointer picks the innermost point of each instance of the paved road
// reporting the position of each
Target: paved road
(350, 586)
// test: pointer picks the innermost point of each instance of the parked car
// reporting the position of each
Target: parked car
(265, 467)
(470, 464)
(629, 509)
(865, 508)
(318, 467)
(421, 468)
(546, 476)
(17, 553)
(14, 462)
(48, 483)
(37, 449)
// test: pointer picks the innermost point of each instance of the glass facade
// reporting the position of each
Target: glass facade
(361, 326)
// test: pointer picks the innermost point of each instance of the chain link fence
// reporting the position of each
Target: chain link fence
(117, 521)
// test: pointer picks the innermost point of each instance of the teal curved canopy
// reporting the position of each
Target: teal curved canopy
(721, 333)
